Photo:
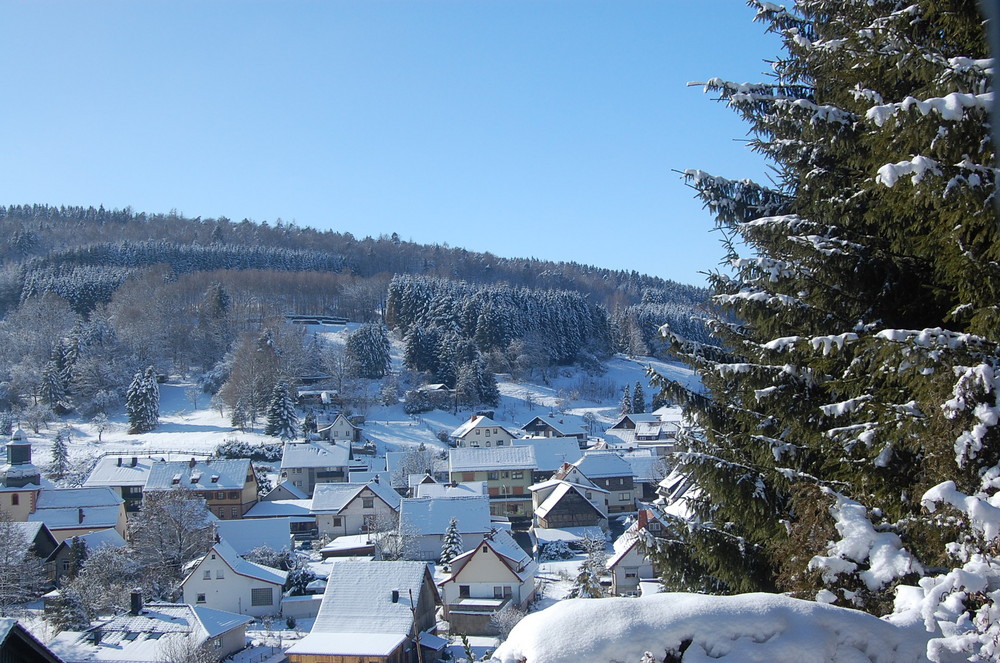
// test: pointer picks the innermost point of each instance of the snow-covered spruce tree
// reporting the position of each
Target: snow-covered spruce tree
(142, 402)
(281, 418)
(60, 453)
(451, 547)
(856, 355)
(625, 407)
(638, 399)
(368, 350)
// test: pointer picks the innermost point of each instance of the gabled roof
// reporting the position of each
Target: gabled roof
(245, 535)
(506, 549)
(635, 418)
(358, 597)
(491, 458)
(630, 537)
(646, 466)
(315, 453)
(477, 421)
(552, 452)
(280, 509)
(333, 497)
(33, 530)
(242, 567)
(560, 492)
(200, 475)
(285, 490)
(119, 471)
(564, 424)
(424, 516)
(77, 517)
(99, 539)
(11, 631)
(60, 498)
(603, 464)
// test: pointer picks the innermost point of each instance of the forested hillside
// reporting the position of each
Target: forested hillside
(89, 297)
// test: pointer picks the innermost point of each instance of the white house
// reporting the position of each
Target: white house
(424, 521)
(222, 580)
(495, 573)
(306, 464)
(481, 431)
(629, 565)
(353, 508)
(341, 432)
(125, 474)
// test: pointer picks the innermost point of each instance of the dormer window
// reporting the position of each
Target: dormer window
(215, 478)
(176, 480)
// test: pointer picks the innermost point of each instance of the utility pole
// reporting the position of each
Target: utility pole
(416, 628)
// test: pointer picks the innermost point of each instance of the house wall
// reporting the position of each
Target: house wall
(354, 517)
(507, 489)
(25, 504)
(231, 592)
(622, 493)
(396, 657)
(628, 571)
(492, 436)
(573, 510)
(482, 573)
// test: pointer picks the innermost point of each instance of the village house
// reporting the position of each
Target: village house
(630, 565)
(561, 504)
(60, 561)
(465, 489)
(229, 487)
(40, 540)
(17, 645)
(373, 612)
(306, 464)
(480, 432)
(222, 580)
(607, 470)
(246, 534)
(69, 512)
(341, 432)
(153, 633)
(351, 508)
(127, 475)
(20, 479)
(656, 431)
(493, 574)
(423, 522)
(558, 425)
(296, 513)
(507, 472)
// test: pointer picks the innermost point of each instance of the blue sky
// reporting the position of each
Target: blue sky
(544, 128)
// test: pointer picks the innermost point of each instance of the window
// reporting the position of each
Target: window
(487, 432)
(15, 499)
(207, 575)
(624, 497)
(517, 475)
(130, 636)
(474, 443)
(337, 521)
(234, 511)
(234, 495)
(220, 495)
(262, 596)
(499, 443)
(463, 592)
(589, 495)
(497, 592)
(477, 431)
(65, 566)
(492, 476)
(507, 592)
(631, 573)
(368, 502)
(219, 575)
(505, 475)
(222, 512)
(199, 598)
(488, 443)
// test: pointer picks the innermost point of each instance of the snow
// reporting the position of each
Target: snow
(918, 167)
(983, 515)
(951, 107)
(749, 628)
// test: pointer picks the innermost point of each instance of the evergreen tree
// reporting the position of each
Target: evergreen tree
(60, 453)
(452, 545)
(69, 612)
(240, 418)
(638, 399)
(626, 405)
(281, 418)
(53, 388)
(856, 340)
(368, 350)
(142, 402)
(77, 557)
(587, 584)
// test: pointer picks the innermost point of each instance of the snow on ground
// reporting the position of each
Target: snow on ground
(749, 628)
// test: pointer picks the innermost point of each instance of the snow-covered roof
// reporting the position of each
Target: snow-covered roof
(564, 424)
(244, 568)
(245, 535)
(465, 488)
(425, 516)
(747, 627)
(315, 453)
(635, 419)
(414, 480)
(474, 422)
(333, 497)
(552, 452)
(361, 644)
(77, 517)
(120, 471)
(101, 538)
(492, 458)
(280, 508)
(545, 535)
(60, 498)
(646, 466)
(368, 475)
(286, 490)
(630, 537)
(603, 464)
(148, 636)
(561, 491)
(358, 597)
(200, 475)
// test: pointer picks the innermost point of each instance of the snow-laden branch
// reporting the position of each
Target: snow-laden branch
(983, 515)
(917, 167)
(951, 107)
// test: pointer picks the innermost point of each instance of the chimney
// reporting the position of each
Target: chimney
(395, 596)
(135, 602)
(119, 461)
(191, 463)
(643, 519)
(135, 461)
(376, 478)
(79, 515)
